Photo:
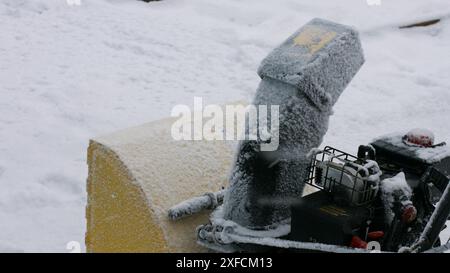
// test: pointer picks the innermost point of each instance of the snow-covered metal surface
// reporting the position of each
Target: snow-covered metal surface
(426, 154)
(136, 175)
(304, 76)
(281, 243)
(319, 59)
(196, 204)
(223, 235)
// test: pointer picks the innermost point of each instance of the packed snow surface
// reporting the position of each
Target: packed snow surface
(72, 72)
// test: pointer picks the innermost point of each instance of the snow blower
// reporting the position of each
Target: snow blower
(392, 196)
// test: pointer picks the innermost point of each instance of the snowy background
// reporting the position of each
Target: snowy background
(69, 73)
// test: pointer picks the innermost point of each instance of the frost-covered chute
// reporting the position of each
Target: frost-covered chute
(305, 76)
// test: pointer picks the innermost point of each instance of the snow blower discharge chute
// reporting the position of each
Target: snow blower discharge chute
(392, 196)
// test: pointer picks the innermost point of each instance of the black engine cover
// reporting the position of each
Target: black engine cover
(318, 219)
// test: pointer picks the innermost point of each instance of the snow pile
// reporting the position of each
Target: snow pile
(69, 73)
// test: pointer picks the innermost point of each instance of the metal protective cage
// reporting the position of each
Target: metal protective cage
(347, 178)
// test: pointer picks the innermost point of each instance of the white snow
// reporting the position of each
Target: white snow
(68, 73)
(396, 183)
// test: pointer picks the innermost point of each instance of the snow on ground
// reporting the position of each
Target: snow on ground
(69, 73)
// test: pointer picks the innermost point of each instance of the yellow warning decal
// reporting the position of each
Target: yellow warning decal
(314, 38)
(333, 210)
